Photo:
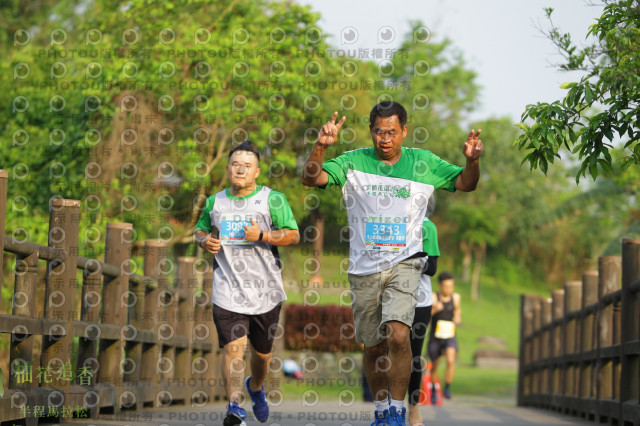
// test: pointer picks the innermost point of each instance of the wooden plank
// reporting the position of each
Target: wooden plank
(25, 248)
(612, 351)
(13, 400)
(37, 326)
(632, 347)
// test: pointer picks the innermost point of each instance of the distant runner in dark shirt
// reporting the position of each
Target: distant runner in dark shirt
(446, 315)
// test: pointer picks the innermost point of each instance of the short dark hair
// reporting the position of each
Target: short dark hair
(387, 109)
(445, 276)
(245, 146)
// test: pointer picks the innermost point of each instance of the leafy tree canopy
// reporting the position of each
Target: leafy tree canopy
(602, 109)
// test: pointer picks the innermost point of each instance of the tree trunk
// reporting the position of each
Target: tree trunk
(480, 253)
(466, 260)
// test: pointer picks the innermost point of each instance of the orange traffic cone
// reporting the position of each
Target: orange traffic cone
(425, 390)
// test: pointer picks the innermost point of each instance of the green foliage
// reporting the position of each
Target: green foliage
(133, 109)
(611, 84)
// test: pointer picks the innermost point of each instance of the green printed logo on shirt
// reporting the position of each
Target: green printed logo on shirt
(394, 191)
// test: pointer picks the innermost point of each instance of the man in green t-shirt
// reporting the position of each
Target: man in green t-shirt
(386, 190)
(251, 221)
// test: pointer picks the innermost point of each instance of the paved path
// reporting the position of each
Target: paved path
(456, 412)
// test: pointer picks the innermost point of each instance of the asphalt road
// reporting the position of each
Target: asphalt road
(296, 413)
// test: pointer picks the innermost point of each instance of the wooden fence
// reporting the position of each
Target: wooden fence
(580, 349)
(140, 340)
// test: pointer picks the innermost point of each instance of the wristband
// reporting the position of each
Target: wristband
(260, 237)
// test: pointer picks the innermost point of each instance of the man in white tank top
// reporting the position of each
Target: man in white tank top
(250, 222)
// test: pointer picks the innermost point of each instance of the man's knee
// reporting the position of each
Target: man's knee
(266, 354)
(399, 336)
(376, 350)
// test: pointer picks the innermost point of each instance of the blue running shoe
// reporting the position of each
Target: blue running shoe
(434, 393)
(446, 392)
(381, 418)
(236, 416)
(396, 418)
(258, 402)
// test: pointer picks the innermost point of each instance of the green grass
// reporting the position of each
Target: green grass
(329, 390)
(472, 381)
(334, 288)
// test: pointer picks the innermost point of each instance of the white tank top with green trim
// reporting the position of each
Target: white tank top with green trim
(247, 274)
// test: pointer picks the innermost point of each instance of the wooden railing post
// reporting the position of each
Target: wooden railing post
(536, 346)
(24, 304)
(114, 309)
(87, 364)
(213, 375)
(60, 291)
(200, 334)
(4, 176)
(588, 340)
(187, 283)
(527, 302)
(630, 333)
(557, 312)
(154, 256)
(90, 312)
(168, 300)
(545, 348)
(609, 274)
(135, 300)
(572, 302)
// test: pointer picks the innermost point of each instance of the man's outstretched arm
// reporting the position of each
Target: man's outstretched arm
(312, 173)
(467, 180)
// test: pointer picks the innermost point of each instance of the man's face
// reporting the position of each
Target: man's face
(243, 170)
(387, 136)
(446, 287)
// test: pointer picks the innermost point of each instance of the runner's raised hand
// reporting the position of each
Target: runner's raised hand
(328, 134)
(473, 146)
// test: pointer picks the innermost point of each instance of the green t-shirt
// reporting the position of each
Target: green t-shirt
(416, 165)
(386, 205)
(430, 238)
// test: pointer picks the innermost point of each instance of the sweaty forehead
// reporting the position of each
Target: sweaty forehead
(387, 122)
(244, 157)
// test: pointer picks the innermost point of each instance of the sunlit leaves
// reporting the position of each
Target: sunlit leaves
(610, 85)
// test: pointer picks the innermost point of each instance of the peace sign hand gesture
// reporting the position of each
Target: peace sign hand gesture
(328, 134)
(473, 146)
